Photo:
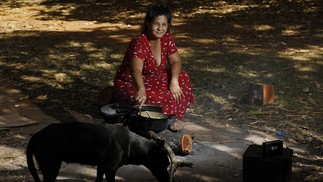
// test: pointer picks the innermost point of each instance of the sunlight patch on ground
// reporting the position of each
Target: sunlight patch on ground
(230, 39)
(224, 152)
(49, 79)
(199, 177)
(258, 137)
(30, 78)
(138, 173)
(73, 44)
(116, 56)
(306, 68)
(204, 41)
(121, 38)
(214, 70)
(224, 148)
(9, 157)
(249, 74)
(104, 65)
(263, 27)
(217, 99)
(199, 128)
(223, 8)
(292, 30)
(303, 54)
(186, 52)
(75, 171)
(37, 22)
(87, 66)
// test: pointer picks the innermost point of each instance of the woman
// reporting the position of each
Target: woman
(151, 71)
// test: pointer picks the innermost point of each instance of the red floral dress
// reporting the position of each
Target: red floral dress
(156, 77)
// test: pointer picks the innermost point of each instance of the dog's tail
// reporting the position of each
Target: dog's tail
(30, 161)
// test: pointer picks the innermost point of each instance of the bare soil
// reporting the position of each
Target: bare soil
(56, 56)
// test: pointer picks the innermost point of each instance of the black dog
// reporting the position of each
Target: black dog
(106, 146)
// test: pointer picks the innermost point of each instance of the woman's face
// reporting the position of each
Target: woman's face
(158, 27)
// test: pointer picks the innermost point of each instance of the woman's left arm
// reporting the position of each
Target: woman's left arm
(175, 63)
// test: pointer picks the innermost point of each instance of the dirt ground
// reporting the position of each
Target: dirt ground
(56, 56)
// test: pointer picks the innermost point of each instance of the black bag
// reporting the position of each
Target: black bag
(273, 168)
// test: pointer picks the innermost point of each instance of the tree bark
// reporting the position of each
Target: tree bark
(258, 94)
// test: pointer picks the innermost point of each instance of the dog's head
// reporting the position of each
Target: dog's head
(161, 161)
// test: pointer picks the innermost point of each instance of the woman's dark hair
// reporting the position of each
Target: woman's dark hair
(155, 11)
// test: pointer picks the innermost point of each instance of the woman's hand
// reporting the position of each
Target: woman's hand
(176, 90)
(141, 97)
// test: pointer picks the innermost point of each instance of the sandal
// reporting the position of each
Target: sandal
(176, 125)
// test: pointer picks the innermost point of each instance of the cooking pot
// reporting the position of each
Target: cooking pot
(148, 117)
(149, 120)
(147, 107)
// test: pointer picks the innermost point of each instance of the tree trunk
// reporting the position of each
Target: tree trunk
(258, 94)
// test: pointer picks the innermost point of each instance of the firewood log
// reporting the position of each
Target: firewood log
(181, 142)
(258, 94)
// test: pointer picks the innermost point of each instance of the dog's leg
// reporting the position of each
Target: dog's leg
(99, 173)
(50, 169)
(110, 175)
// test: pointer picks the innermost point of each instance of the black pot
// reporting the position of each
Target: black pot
(149, 121)
(147, 107)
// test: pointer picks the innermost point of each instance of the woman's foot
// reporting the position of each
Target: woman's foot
(177, 125)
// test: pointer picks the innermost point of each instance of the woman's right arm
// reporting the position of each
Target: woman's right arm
(136, 66)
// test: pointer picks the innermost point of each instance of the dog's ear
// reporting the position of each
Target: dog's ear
(160, 142)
